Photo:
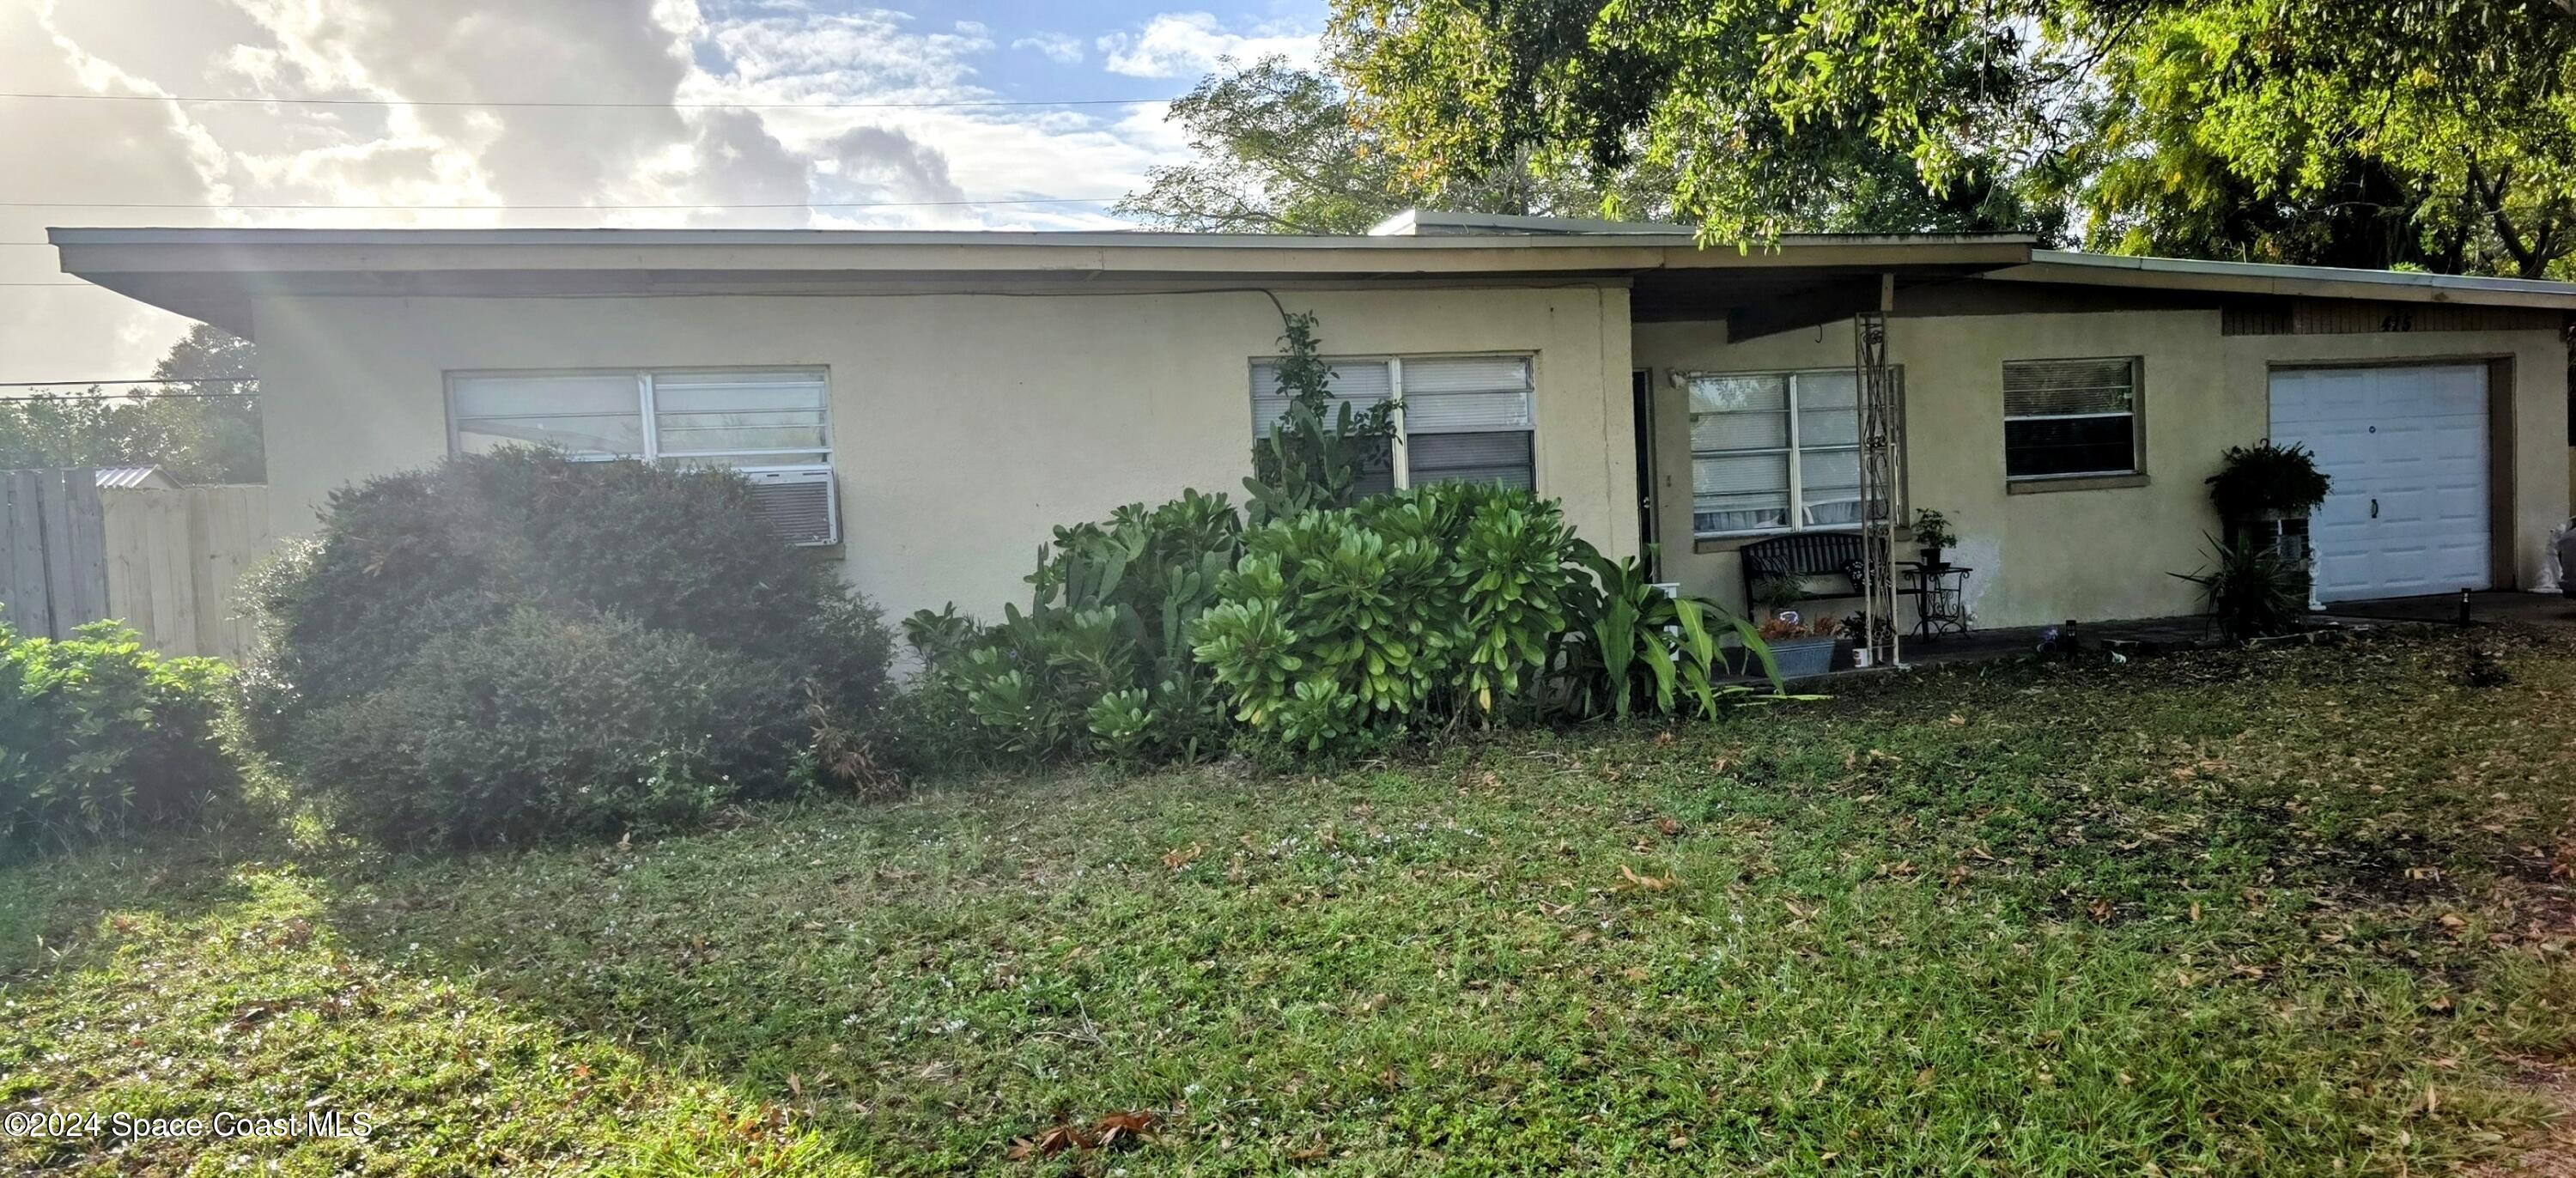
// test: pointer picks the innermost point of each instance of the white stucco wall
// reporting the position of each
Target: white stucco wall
(966, 426)
(2098, 553)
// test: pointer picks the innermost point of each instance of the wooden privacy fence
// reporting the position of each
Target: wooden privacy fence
(166, 562)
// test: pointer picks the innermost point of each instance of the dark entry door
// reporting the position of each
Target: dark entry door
(1641, 398)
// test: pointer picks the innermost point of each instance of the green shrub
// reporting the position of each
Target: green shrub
(418, 567)
(97, 733)
(2252, 592)
(1636, 649)
(547, 723)
(1100, 661)
(2264, 477)
(1408, 609)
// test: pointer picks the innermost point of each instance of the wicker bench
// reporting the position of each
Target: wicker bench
(1805, 555)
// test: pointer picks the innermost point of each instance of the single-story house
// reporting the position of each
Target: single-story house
(924, 406)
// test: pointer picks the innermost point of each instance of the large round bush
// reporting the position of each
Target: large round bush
(695, 648)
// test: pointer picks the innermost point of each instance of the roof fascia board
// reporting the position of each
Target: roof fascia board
(2249, 278)
(1342, 257)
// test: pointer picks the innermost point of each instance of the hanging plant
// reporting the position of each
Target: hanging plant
(2264, 478)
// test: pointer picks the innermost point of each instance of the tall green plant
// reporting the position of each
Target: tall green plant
(2251, 592)
(1099, 661)
(1637, 649)
(1320, 449)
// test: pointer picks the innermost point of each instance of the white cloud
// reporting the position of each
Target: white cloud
(1188, 44)
(647, 52)
(1061, 48)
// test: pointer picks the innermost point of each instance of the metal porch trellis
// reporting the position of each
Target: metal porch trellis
(1881, 422)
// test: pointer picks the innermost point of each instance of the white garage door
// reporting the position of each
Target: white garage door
(2407, 449)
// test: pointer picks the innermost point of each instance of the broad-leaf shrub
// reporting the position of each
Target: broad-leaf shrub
(1407, 609)
(1099, 663)
(1638, 650)
(97, 733)
(430, 565)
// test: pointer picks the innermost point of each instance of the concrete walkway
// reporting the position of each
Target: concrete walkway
(2157, 635)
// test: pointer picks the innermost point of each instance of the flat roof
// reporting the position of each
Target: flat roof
(215, 274)
(1623, 235)
(2270, 278)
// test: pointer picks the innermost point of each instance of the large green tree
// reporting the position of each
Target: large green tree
(201, 424)
(2427, 132)
(1277, 149)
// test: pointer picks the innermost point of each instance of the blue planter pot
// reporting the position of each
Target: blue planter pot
(1804, 658)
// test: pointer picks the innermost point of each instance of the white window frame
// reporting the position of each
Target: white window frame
(645, 405)
(2135, 413)
(1402, 466)
(1797, 464)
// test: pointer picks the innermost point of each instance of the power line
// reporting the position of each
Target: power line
(56, 384)
(944, 104)
(504, 208)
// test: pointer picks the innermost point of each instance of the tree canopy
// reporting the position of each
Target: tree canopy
(2431, 133)
(198, 428)
(1279, 150)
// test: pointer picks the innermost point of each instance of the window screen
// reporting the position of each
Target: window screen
(1463, 418)
(740, 418)
(592, 415)
(751, 419)
(1356, 383)
(1467, 419)
(1774, 451)
(2070, 417)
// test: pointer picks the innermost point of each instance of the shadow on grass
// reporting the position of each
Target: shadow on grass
(1441, 963)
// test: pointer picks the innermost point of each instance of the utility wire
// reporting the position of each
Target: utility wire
(504, 208)
(963, 103)
(53, 384)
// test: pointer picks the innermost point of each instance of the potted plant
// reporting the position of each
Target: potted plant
(1800, 650)
(2264, 494)
(1932, 532)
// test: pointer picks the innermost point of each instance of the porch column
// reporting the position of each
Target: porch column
(1882, 425)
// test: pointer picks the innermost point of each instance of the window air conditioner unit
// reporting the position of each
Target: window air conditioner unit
(803, 504)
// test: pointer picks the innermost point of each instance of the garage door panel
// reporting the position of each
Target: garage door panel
(2412, 441)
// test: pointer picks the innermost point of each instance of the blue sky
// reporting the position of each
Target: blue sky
(678, 61)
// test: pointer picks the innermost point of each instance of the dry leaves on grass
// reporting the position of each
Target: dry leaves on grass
(1629, 878)
(1115, 1131)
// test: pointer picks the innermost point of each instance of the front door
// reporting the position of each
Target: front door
(1641, 399)
(2407, 450)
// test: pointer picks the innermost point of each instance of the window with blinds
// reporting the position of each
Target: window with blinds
(2066, 418)
(749, 420)
(772, 425)
(1461, 418)
(1774, 451)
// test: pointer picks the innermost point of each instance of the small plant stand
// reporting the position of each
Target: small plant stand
(1940, 593)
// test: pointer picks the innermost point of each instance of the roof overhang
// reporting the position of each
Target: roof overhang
(2067, 268)
(215, 275)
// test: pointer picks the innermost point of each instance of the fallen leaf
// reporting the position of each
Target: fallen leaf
(1668, 826)
(1648, 882)
(1122, 1129)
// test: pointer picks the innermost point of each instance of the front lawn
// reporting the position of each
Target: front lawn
(2285, 912)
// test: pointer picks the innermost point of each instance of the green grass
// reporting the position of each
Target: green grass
(2283, 912)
